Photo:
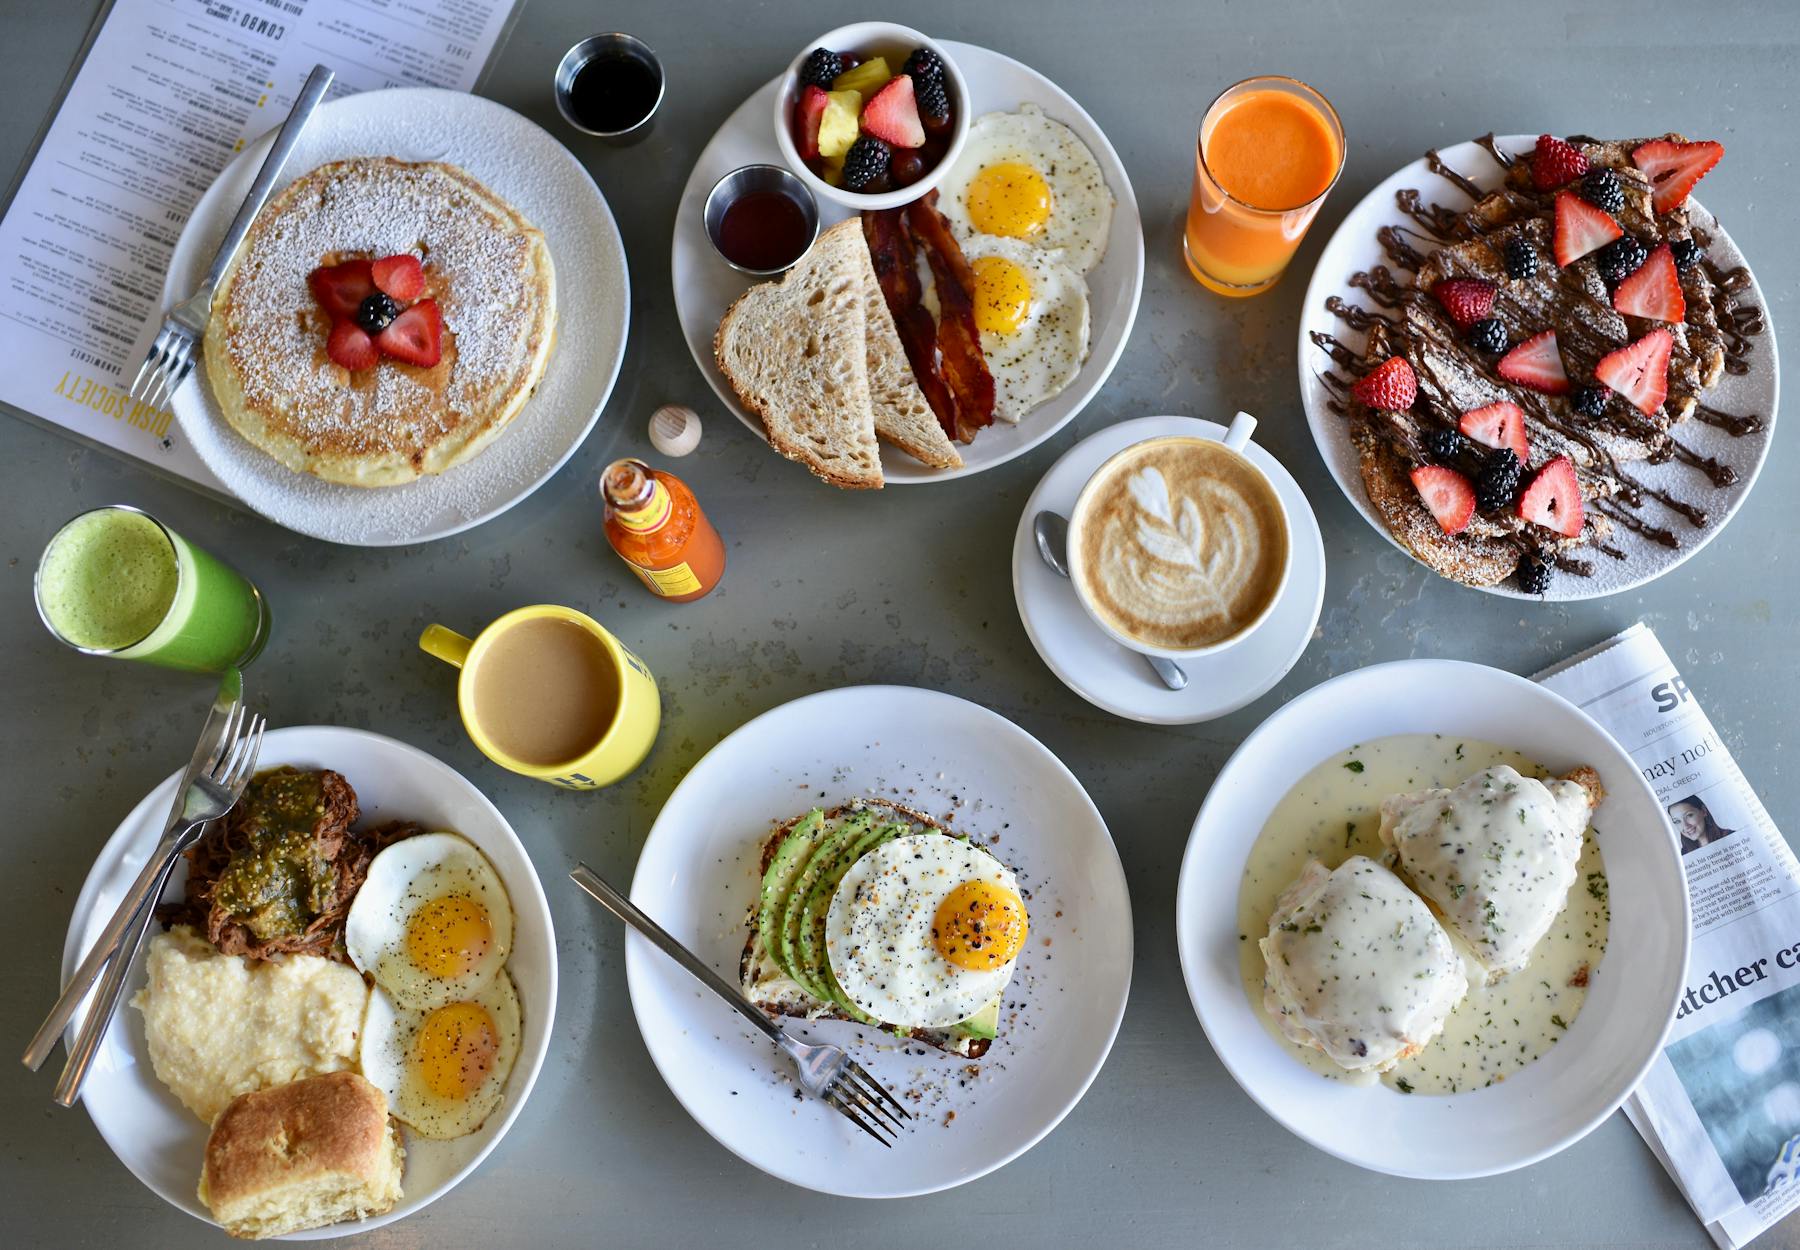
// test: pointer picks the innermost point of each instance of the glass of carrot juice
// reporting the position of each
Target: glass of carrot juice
(1270, 148)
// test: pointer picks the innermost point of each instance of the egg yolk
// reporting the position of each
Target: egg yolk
(1002, 295)
(979, 926)
(448, 936)
(1010, 199)
(456, 1049)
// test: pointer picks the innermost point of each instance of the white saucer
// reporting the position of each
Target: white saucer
(1120, 681)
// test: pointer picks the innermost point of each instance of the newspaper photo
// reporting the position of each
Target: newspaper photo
(1721, 1105)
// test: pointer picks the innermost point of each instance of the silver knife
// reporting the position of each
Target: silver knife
(148, 887)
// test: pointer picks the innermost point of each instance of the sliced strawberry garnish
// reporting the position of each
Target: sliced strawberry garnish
(415, 336)
(341, 289)
(350, 347)
(1447, 495)
(1552, 498)
(1654, 291)
(399, 276)
(808, 109)
(893, 114)
(1392, 386)
(1498, 425)
(1537, 364)
(1467, 300)
(1674, 168)
(1555, 163)
(1640, 371)
(1581, 228)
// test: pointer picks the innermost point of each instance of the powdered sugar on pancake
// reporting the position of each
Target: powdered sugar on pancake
(525, 166)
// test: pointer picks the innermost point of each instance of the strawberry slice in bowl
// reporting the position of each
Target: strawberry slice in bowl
(892, 115)
(1552, 498)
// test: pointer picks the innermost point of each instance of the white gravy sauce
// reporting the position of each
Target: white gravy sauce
(1332, 813)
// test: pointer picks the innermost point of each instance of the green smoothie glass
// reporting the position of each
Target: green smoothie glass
(116, 581)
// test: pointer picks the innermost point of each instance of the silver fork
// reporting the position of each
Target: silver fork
(209, 796)
(826, 1072)
(171, 355)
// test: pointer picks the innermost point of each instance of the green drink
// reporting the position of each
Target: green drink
(115, 581)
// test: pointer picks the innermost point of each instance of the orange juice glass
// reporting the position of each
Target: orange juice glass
(1270, 149)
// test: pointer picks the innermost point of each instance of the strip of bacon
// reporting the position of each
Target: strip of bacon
(897, 273)
(958, 339)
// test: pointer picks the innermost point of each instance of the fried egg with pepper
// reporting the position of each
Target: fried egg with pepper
(1032, 312)
(1026, 176)
(443, 1070)
(924, 931)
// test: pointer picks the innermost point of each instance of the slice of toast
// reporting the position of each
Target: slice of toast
(797, 1003)
(796, 352)
(903, 415)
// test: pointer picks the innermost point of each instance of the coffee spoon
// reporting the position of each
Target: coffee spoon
(1052, 532)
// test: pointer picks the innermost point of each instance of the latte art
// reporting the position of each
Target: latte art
(1182, 544)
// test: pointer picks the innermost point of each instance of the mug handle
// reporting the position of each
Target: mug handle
(1242, 427)
(446, 644)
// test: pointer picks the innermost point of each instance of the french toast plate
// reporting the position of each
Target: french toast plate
(705, 285)
(517, 160)
(1552, 1102)
(161, 1141)
(979, 774)
(1119, 680)
(1353, 248)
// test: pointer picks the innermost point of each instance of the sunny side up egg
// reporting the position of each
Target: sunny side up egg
(443, 1070)
(1032, 312)
(1026, 176)
(924, 930)
(431, 923)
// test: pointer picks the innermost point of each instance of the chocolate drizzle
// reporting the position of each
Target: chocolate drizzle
(1379, 283)
(1632, 521)
(1399, 251)
(1435, 164)
(1436, 220)
(1733, 425)
(1354, 317)
(1493, 149)
(1339, 353)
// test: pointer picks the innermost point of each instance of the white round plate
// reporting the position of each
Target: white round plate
(523, 164)
(1545, 1107)
(1353, 247)
(161, 1141)
(1119, 680)
(984, 776)
(705, 286)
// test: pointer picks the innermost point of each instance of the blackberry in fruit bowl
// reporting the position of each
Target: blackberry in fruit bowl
(1620, 259)
(1521, 260)
(865, 164)
(924, 64)
(1489, 336)
(821, 68)
(934, 100)
(1498, 482)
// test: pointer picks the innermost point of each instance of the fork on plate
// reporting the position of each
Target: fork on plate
(826, 1072)
(171, 355)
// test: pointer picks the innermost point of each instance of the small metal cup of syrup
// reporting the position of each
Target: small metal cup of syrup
(610, 86)
(761, 219)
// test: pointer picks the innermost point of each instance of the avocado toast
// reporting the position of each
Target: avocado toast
(785, 970)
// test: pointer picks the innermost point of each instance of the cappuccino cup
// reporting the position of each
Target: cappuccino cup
(1180, 546)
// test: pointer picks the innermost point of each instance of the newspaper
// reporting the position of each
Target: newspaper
(1721, 1105)
(169, 92)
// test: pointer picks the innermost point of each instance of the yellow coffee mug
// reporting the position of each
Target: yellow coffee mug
(627, 738)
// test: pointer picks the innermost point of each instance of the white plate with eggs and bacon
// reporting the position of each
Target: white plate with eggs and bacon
(1107, 264)
(163, 1143)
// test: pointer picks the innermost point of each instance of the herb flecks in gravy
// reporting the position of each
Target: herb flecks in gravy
(1332, 813)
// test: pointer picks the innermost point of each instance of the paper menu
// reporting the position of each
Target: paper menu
(170, 91)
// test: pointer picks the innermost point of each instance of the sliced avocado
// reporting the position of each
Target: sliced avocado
(825, 853)
(813, 958)
(784, 869)
(984, 1023)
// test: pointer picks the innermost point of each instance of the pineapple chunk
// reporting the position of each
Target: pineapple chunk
(838, 125)
(867, 77)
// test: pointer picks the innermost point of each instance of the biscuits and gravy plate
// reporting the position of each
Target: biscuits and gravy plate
(311, 1041)
(887, 771)
(1016, 112)
(1433, 920)
(524, 258)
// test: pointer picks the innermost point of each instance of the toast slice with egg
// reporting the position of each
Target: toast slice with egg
(785, 969)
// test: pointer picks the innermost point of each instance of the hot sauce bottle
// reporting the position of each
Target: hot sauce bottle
(655, 524)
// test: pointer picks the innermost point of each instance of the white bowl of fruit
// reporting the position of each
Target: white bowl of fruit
(871, 115)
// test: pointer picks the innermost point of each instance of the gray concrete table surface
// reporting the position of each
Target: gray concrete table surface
(913, 585)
